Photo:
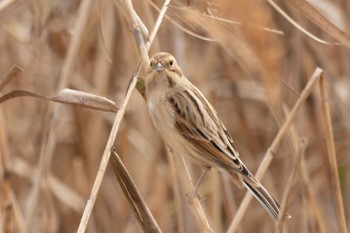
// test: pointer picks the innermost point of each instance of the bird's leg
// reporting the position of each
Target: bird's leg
(194, 193)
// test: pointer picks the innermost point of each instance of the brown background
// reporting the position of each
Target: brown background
(247, 73)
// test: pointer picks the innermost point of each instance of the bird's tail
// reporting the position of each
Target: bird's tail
(265, 199)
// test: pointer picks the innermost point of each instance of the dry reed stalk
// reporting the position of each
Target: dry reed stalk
(180, 218)
(49, 137)
(120, 114)
(188, 183)
(230, 205)
(7, 3)
(320, 20)
(11, 216)
(107, 42)
(14, 72)
(310, 201)
(4, 153)
(300, 172)
(58, 188)
(332, 156)
(189, 32)
(274, 146)
(7, 6)
(105, 157)
(142, 212)
(68, 96)
(196, 203)
(288, 190)
(7, 222)
(215, 205)
(102, 71)
(17, 212)
(37, 35)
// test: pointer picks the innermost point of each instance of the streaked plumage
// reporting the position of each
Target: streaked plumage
(190, 126)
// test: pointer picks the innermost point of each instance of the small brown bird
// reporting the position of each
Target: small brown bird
(190, 126)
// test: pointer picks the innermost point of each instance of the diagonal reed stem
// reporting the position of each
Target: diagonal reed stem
(143, 214)
(274, 146)
(120, 114)
(332, 156)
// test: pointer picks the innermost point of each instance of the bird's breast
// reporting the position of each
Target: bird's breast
(161, 113)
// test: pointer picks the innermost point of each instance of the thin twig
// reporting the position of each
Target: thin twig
(181, 27)
(106, 154)
(102, 33)
(49, 137)
(134, 19)
(332, 157)
(274, 146)
(311, 199)
(6, 7)
(5, 4)
(310, 12)
(13, 73)
(287, 191)
(298, 26)
(177, 194)
(228, 21)
(158, 22)
(196, 202)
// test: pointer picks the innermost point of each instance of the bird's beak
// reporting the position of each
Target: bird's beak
(159, 66)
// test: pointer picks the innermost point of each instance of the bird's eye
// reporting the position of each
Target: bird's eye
(171, 62)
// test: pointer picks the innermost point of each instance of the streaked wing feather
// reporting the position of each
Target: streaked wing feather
(198, 122)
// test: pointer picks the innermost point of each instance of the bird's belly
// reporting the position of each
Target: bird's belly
(164, 121)
(161, 115)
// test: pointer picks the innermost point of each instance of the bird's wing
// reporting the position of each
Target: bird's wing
(198, 122)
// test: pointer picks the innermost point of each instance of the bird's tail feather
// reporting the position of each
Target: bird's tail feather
(265, 199)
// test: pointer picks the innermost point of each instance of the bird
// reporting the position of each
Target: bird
(190, 126)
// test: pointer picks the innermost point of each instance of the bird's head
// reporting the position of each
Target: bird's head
(163, 71)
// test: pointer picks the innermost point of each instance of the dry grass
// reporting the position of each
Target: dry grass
(256, 61)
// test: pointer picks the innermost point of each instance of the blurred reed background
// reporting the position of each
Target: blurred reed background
(252, 76)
